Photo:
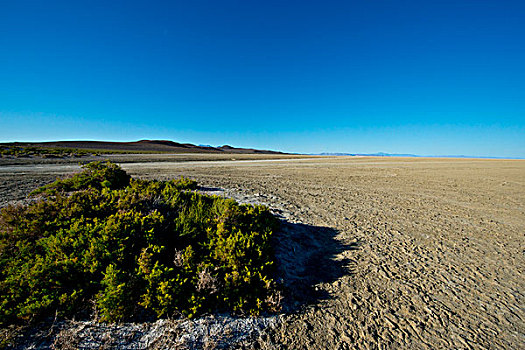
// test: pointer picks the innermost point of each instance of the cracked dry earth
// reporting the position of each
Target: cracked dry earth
(410, 253)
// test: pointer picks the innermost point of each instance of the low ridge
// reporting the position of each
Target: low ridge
(161, 146)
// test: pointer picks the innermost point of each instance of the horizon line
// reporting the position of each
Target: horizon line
(363, 154)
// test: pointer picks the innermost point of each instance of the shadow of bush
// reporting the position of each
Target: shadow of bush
(306, 256)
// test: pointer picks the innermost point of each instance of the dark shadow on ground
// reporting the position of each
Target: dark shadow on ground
(210, 189)
(306, 256)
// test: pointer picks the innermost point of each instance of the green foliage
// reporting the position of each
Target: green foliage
(114, 298)
(46, 152)
(96, 175)
(59, 152)
(133, 246)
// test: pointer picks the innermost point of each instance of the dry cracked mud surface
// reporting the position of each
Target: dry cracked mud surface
(376, 253)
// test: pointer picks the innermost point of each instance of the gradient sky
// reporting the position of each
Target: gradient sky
(424, 77)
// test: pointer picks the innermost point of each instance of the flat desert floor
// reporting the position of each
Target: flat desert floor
(384, 253)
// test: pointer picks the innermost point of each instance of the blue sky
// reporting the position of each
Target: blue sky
(424, 77)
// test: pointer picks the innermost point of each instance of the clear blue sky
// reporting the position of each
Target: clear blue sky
(424, 77)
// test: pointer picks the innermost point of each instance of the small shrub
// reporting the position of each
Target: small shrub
(133, 246)
(96, 175)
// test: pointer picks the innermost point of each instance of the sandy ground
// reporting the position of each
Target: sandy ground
(389, 252)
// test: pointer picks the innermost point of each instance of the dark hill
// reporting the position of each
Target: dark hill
(161, 146)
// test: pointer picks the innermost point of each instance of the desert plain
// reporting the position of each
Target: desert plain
(374, 252)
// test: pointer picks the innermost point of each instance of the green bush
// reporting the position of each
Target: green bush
(133, 247)
(96, 175)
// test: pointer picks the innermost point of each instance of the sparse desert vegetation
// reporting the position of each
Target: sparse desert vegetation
(44, 152)
(132, 248)
(384, 252)
(7, 151)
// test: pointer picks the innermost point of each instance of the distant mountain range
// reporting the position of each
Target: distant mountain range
(166, 146)
(382, 154)
(379, 154)
(163, 146)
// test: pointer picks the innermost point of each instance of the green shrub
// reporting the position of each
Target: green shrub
(133, 247)
(97, 175)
